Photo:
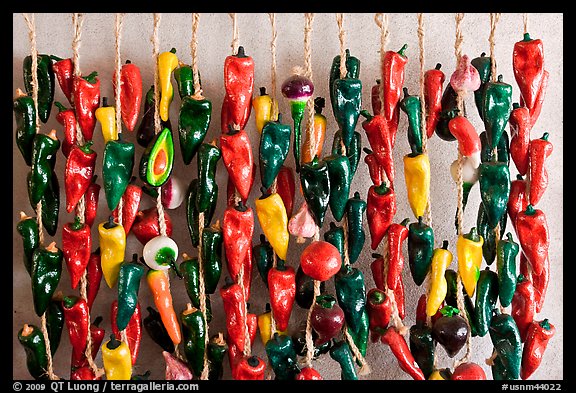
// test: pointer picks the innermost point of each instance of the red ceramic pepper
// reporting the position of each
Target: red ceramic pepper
(145, 225)
(249, 368)
(377, 268)
(468, 139)
(397, 235)
(539, 151)
(517, 200)
(393, 65)
(237, 231)
(78, 173)
(379, 311)
(537, 337)
(535, 110)
(285, 187)
(239, 85)
(97, 334)
(468, 372)
(231, 189)
(235, 309)
(402, 353)
(540, 282)
(76, 246)
(375, 98)
(93, 277)
(520, 125)
(130, 93)
(421, 311)
(64, 71)
(374, 169)
(523, 305)
(380, 210)
(528, 66)
(400, 298)
(320, 260)
(78, 325)
(532, 231)
(86, 100)
(282, 288)
(133, 329)
(234, 354)
(130, 203)
(379, 138)
(238, 160)
(433, 83)
(225, 116)
(67, 118)
(84, 374)
(308, 374)
(91, 197)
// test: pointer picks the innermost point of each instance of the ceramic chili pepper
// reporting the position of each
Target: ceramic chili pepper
(86, 93)
(494, 178)
(502, 151)
(341, 352)
(451, 330)
(45, 275)
(393, 65)
(532, 231)
(353, 151)
(249, 368)
(106, 116)
(302, 224)
(117, 167)
(55, 321)
(208, 156)
(535, 110)
(239, 85)
(355, 208)
(84, 374)
(410, 104)
(66, 118)
(133, 329)
(314, 139)
(44, 148)
(265, 325)
(27, 227)
(212, 256)
(193, 122)
(506, 252)
(420, 249)
(523, 305)
(78, 325)
(128, 286)
(417, 176)
(184, 76)
(451, 300)
(440, 375)
(339, 175)
(156, 330)
(274, 222)
(167, 63)
(528, 66)
(421, 315)
(282, 357)
(238, 228)
(130, 203)
(78, 173)
(335, 236)
(25, 117)
(274, 147)
(520, 125)
(396, 235)
(374, 168)
(93, 276)
(45, 78)
(351, 295)
(308, 374)
(235, 355)
(158, 159)
(538, 335)
(116, 359)
(234, 307)
(160, 253)
(380, 210)
(468, 371)
(145, 226)
(285, 185)
(506, 339)
(539, 151)
(433, 81)
(379, 309)
(346, 104)
(315, 183)
(299, 340)
(147, 129)
(194, 333)
(217, 348)
(64, 71)
(305, 289)
(380, 141)
(76, 246)
(483, 65)
(190, 271)
(466, 77)
(159, 283)
(422, 347)
(282, 288)
(130, 93)
(487, 232)
(468, 140)
(192, 213)
(263, 255)
(540, 282)
(449, 103)
(263, 105)
(400, 298)
(486, 298)
(469, 252)
(518, 199)
(176, 369)
(441, 259)
(496, 108)
(91, 197)
(320, 260)
(50, 202)
(32, 340)
(402, 353)
(352, 72)
(112, 240)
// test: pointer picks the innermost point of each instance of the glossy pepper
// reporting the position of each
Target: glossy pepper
(539, 151)
(234, 354)
(55, 321)
(78, 174)
(274, 148)
(375, 99)
(27, 227)
(263, 108)
(535, 110)
(502, 151)
(305, 289)
(469, 252)
(308, 374)
(420, 249)
(212, 256)
(452, 300)
(314, 140)
(486, 298)
(147, 129)
(67, 118)
(468, 140)
(433, 81)
(468, 371)
(352, 72)
(50, 202)
(450, 330)
(449, 103)
(422, 347)
(379, 309)
(351, 294)
(496, 108)
(45, 275)
(130, 93)
(282, 288)
(265, 325)
(239, 86)
(32, 340)
(208, 156)
(520, 125)
(157, 160)
(532, 231)
(315, 183)
(320, 260)
(353, 151)
(235, 309)
(130, 203)
(249, 368)
(116, 359)
(506, 252)
(393, 64)
(190, 270)
(194, 335)
(106, 116)
(540, 282)
(25, 116)
(374, 168)
(417, 176)
(523, 305)
(64, 71)
(167, 63)
(184, 76)
(237, 231)
(402, 353)
(487, 232)
(380, 141)
(335, 236)
(346, 104)
(112, 240)
(285, 186)
(396, 236)
(538, 335)
(128, 286)
(44, 148)
(91, 198)
(217, 348)
(282, 357)
(192, 213)
(193, 123)
(78, 325)
(159, 283)
(340, 351)
(117, 166)
(506, 339)
(76, 246)
(146, 225)
(494, 178)
(93, 277)
(441, 259)
(483, 65)
(410, 104)
(355, 208)
(45, 78)
(518, 199)
(380, 210)
(263, 255)
(133, 329)
(528, 66)
(86, 90)
(156, 330)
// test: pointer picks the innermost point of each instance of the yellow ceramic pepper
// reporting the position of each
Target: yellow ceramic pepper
(441, 259)
(273, 220)
(116, 359)
(167, 63)
(436, 376)
(112, 247)
(106, 115)
(469, 252)
(417, 176)
(265, 325)
(262, 105)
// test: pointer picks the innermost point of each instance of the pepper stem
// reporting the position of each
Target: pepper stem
(405, 90)
(56, 58)
(69, 301)
(263, 91)
(319, 104)
(110, 224)
(545, 324)
(381, 189)
(472, 235)
(173, 50)
(377, 297)
(267, 308)
(367, 151)
(91, 78)
(420, 221)
(104, 101)
(530, 211)
(61, 108)
(265, 193)
(241, 52)
(445, 244)
(449, 311)
(515, 105)
(366, 114)
(402, 50)
(86, 148)
(405, 222)
(325, 301)
(253, 360)
(545, 136)
(526, 37)
(113, 343)
(438, 66)
(500, 78)
(98, 321)
(520, 278)
(172, 263)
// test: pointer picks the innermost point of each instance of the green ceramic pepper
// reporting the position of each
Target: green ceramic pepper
(449, 105)
(184, 76)
(193, 122)
(50, 202)
(353, 151)
(341, 352)
(355, 209)
(451, 299)
(44, 148)
(299, 340)
(486, 298)
(274, 148)
(508, 346)
(25, 116)
(192, 213)
(190, 270)
(422, 347)
(496, 108)
(506, 253)
(27, 227)
(194, 335)
(212, 257)
(347, 95)
(305, 289)
(351, 295)
(31, 338)
(420, 249)
(502, 151)
(335, 236)
(54, 323)
(339, 174)
(263, 254)
(128, 286)
(217, 348)
(46, 272)
(494, 179)
(484, 230)
(315, 183)
(45, 78)
(117, 166)
(282, 357)
(352, 72)
(411, 106)
(208, 156)
(483, 64)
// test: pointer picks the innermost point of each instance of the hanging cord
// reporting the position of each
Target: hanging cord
(494, 18)
(118, 110)
(525, 21)
(309, 340)
(247, 342)
(235, 34)
(394, 317)
(308, 72)
(381, 21)
(194, 54)
(274, 114)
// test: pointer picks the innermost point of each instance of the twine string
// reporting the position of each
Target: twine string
(235, 33)
(31, 23)
(202, 290)
(382, 22)
(118, 31)
(194, 54)
(342, 38)
(494, 18)
(272, 17)
(50, 365)
(309, 340)
(525, 22)
(247, 344)
(310, 134)
(155, 52)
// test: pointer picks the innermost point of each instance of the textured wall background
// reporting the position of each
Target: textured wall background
(54, 36)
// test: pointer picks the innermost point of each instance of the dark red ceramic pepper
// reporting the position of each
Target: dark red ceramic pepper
(64, 71)
(397, 235)
(67, 118)
(520, 125)
(78, 173)
(468, 372)
(379, 138)
(433, 87)
(402, 353)
(532, 231)
(238, 160)
(308, 374)
(130, 203)
(145, 225)
(249, 368)
(76, 246)
(535, 110)
(239, 85)
(540, 282)
(528, 66)
(374, 169)
(91, 197)
(237, 231)
(537, 337)
(285, 187)
(377, 268)
(133, 329)
(523, 305)
(93, 277)
(86, 100)
(517, 200)
(130, 93)
(539, 151)
(379, 311)
(393, 65)
(235, 309)
(400, 298)
(380, 211)
(282, 289)
(76, 317)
